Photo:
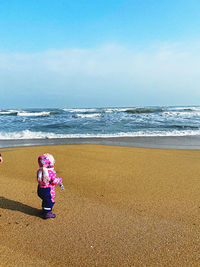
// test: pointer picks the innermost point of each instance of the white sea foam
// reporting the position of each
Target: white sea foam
(106, 110)
(26, 134)
(74, 110)
(182, 114)
(195, 108)
(94, 115)
(7, 112)
(31, 114)
(186, 108)
(24, 113)
(110, 110)
(42, 135)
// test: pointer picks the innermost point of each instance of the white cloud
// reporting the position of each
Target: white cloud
(172, 69)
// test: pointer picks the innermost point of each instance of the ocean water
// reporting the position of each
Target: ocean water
(99, 122)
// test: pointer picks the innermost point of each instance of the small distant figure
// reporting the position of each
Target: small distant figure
(47, 179)
(1, 159)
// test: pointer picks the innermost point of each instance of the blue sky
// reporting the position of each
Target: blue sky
(99, 53)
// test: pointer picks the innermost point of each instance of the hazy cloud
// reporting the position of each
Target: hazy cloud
(118, 71)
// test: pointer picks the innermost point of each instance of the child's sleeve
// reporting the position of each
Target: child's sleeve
(55, 180)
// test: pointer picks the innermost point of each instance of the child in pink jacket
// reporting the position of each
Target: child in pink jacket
(47, 179)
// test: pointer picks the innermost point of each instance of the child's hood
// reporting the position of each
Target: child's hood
(46, 161)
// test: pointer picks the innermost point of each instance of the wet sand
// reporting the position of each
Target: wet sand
(169, 142)
(122, 206)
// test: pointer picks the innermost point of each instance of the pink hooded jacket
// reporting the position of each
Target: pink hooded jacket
(46, 175)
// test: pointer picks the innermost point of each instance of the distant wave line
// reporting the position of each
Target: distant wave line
(26, 114)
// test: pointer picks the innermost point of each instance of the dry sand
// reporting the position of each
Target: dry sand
(122, 206)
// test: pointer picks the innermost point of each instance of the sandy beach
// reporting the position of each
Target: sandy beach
(122, 206)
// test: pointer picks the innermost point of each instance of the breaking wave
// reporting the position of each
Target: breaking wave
(43, 135)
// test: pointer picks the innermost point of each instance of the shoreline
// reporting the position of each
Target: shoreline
(166, 142)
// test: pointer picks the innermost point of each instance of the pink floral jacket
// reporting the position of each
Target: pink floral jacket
(47, 178)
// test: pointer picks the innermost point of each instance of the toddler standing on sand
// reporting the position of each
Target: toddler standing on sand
(47, 179)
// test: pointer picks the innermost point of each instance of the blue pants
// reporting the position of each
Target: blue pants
(44, 194)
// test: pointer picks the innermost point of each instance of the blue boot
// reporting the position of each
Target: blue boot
(49, 215)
